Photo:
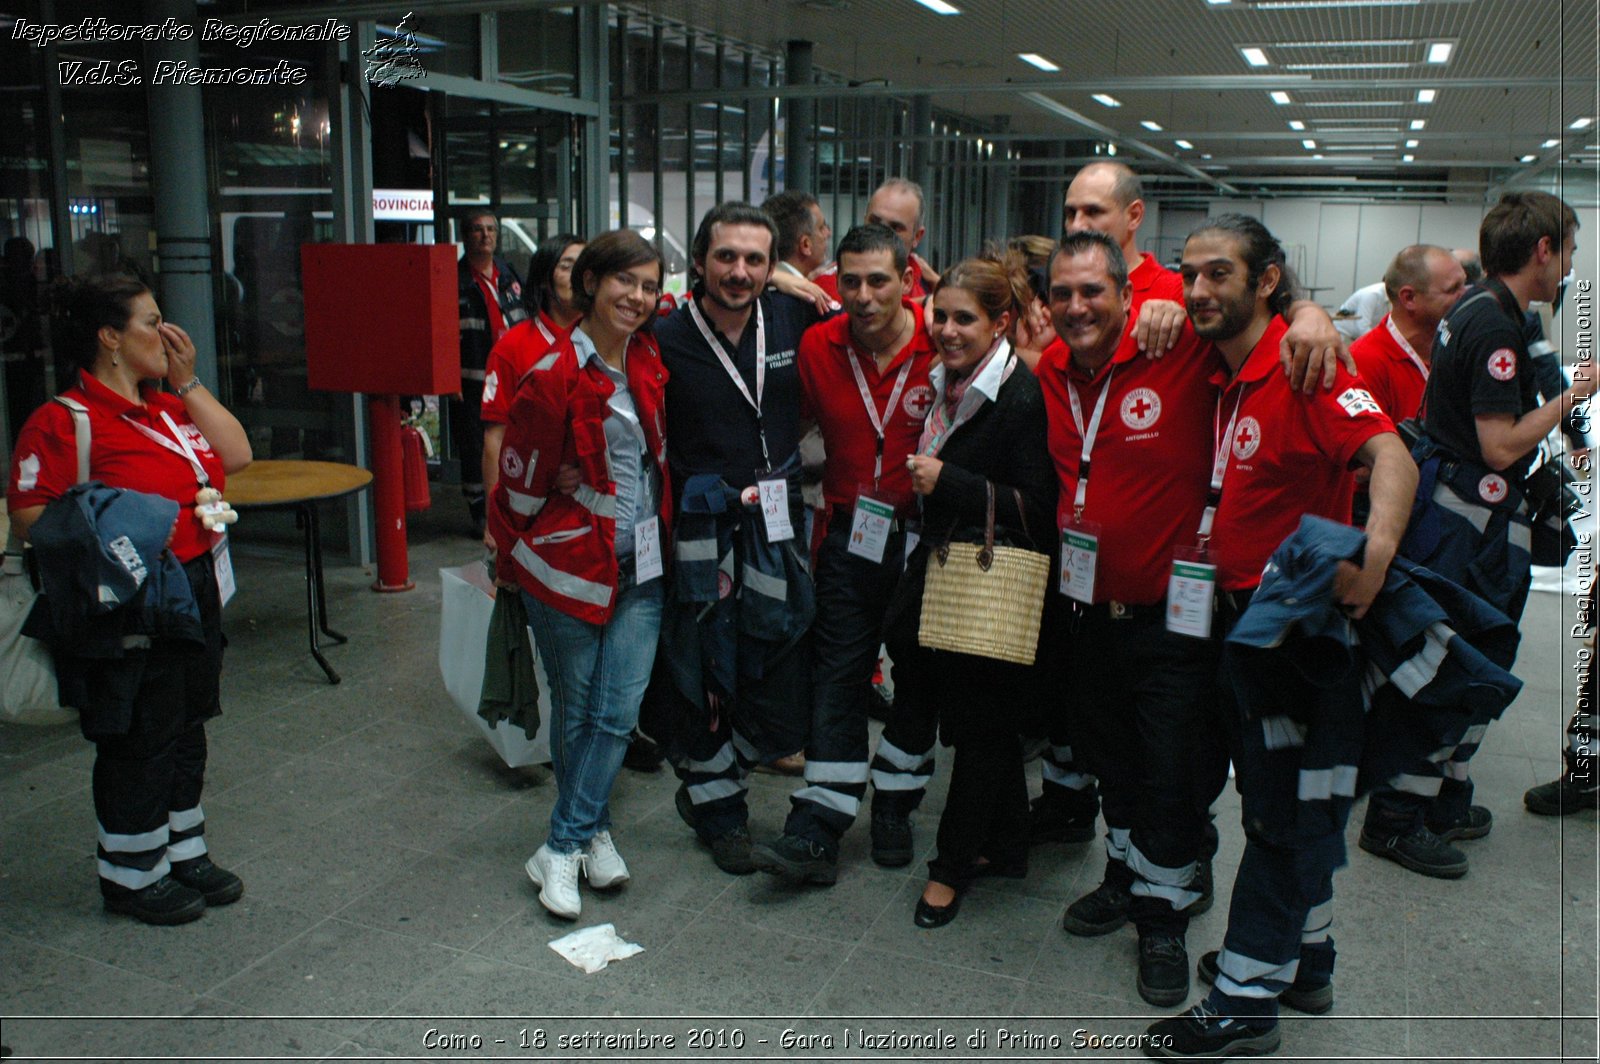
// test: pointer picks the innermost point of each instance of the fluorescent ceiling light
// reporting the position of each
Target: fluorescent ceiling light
(1582, 123)
(1219, 3)
(1255, 57)
(1528, 158)
(826, 129)
(1356, 103)
(1419, 123)
(1105, 100)
(1427, 95)
(1279, 97)
(1317, 156)
(1111, 149)
(1413, 143)
(1154, 127)
(939, 7)
(1387, 42)
(1296, 125)
(1408, 158)
(1359, 147)
(1185, 145)
(1035, 59)
(1551, 143)
(1294, 5)
(1308, 143)
(1347, 66)
(1439, 51)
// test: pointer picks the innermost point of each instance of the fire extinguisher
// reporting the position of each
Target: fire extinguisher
(414, 452)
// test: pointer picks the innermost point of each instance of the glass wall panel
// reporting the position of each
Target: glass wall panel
(539, 49)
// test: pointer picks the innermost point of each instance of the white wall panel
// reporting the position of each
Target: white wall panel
(1385, 229)
(1338, 235)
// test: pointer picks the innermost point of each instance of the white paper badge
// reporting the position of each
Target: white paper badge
(775, 509)
(1190, 601)
(870, 525)
(647, 550)
(1080, 551)
(222, 562)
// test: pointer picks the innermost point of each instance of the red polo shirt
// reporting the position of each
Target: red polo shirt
(830, 396)
(1150, 464)
(1290, 455)
(828, 281)
(45, 462)
(1151, 280)
(512, 356)
(1391, 370)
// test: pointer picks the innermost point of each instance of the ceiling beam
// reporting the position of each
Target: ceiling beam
(1061, 110)
(1113, 85)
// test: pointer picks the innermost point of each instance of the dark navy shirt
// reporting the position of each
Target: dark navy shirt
(711, 428)
(1480, 366)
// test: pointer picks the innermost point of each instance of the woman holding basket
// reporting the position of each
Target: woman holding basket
(982, 464)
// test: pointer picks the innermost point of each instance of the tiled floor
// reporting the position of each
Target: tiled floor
(382, 845)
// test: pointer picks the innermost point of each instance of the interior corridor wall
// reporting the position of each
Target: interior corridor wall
(1337, 247)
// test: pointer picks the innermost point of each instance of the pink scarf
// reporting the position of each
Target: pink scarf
(943, 418)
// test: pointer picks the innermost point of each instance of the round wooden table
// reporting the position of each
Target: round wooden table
(272, 484)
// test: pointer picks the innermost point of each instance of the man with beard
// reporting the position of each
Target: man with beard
(1279, 455)
(734, 684)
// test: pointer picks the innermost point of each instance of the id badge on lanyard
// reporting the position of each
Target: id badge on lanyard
(1192, 587)
(1191, 593)
(647, 562)
(1080, 552)
(1080, 539)
(871, 524)
(774, 501)
(222, 562)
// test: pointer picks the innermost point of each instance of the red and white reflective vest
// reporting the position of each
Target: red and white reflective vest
(561, 549)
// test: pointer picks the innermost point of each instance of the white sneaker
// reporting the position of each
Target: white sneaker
(603, 865)
(556, 876)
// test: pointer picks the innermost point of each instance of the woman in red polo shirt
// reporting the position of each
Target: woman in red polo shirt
(146, 710)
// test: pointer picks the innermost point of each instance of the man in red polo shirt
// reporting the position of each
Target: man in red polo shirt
(864, 381)
(897, 205)
(1141, 695)
(1281, 454)
(1423, 283)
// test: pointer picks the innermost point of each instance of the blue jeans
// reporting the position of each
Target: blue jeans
(597, 676)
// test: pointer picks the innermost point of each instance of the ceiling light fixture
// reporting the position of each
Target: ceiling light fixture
(1551, 143)
(939, 7)
(1279, 97)
(1308, 143)
(1185, 145)
(1154, 127)
(1419, 123)
(1106, 101)
(1408, 158)
(1528, 158)
(1582, 123)
(1387, 42)
(1297, 125)
(1035, 59)
(1427, 95)
(1413, 143)
(1255, 57)
(1439, 51)
(1347, 66)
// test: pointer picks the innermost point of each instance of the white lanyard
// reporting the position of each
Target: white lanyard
(733, 371)
(1422, 367)
(181, 448)
(1087, 435)
(872, 410)
(1219, 465)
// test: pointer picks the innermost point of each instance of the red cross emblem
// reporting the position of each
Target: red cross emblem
(1503, 364)
(1492, 488)
(1140, 409)
(1246, 438)
(917, 402)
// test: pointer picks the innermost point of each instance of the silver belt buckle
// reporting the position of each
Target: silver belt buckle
(1119, 611)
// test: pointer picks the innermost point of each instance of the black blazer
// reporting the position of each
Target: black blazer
(1005, 442)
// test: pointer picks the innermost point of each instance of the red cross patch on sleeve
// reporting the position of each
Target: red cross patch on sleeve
(1503, 364)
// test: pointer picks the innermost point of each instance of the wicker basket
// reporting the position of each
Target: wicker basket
(984, 600)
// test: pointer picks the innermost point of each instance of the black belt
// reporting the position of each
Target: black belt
(1121, 611)
(841, 517)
